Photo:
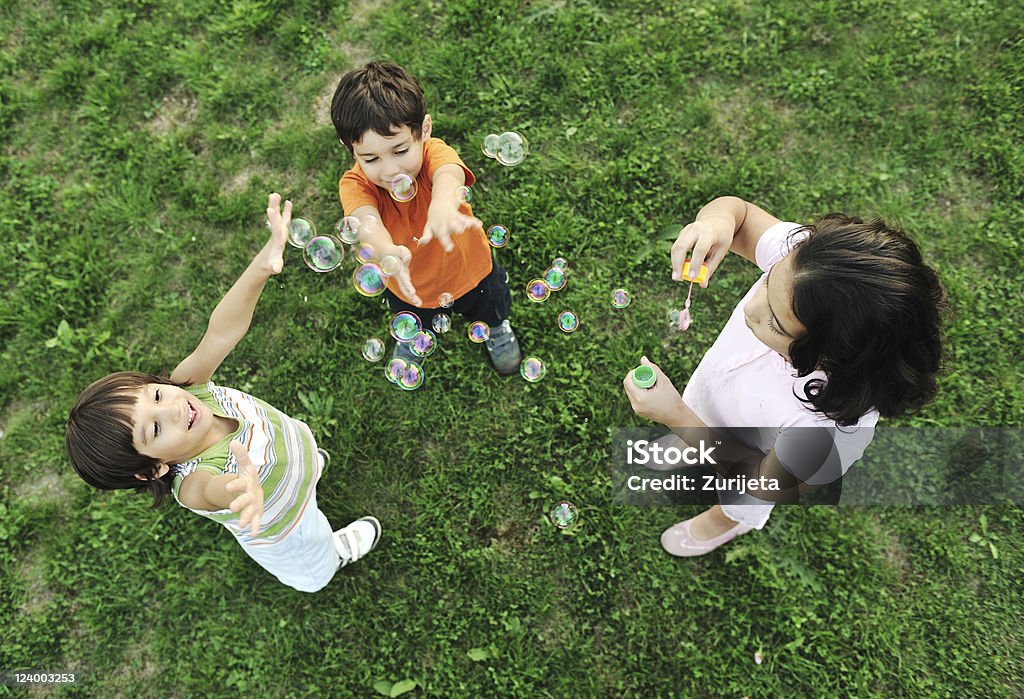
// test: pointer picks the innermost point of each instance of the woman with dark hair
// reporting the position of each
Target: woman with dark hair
(842, 327)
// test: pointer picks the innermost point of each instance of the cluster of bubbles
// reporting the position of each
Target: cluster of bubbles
(509, 148)
(406, 375)
(554, 279)
(321, 253)
(564, 515)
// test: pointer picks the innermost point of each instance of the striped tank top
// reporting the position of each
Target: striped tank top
(281, 448)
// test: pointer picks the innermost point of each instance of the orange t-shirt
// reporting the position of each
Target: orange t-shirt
(433, 271)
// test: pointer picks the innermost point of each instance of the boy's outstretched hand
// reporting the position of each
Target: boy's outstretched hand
(250, 502)
(445, 220)
(279, 223)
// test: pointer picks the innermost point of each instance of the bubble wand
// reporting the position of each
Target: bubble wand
(682, 319)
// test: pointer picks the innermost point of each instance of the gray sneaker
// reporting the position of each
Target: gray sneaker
(503, 349)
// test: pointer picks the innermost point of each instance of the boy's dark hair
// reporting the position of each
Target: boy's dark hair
(378, 97)
(873, 311)
(99, 436)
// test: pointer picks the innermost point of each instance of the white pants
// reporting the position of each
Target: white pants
(747, 509)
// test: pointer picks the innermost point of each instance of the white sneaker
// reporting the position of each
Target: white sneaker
(357, 539)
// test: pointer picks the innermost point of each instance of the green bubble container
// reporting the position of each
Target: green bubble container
(644, 376)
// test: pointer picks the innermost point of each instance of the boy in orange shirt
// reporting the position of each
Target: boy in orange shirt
(380, 115)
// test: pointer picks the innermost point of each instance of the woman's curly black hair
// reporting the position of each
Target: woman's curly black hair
(873, 312)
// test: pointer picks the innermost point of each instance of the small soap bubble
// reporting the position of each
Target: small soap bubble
(445, 300)
(364, 252)
(564, 515)
(479, 331)
(620, 298)
(532, 369)
(512, 148)
(568, 321)
(423, 343)
(404, 326)
(373, 349)
(561, 263)
(463, 194)
(389, 265)
(368, 279)
(680, 318)
(537, 290)
(441, 323)
(490, 147)
(497, 236)
(323, 253)
(555, 278)
(403, 188)
(411, 377)
(300, 232)
(347, 229)
(394, 368)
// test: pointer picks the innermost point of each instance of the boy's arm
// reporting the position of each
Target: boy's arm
(238, 492)
(373, 232)
(443, 217)
(231, 318)
(723, 224)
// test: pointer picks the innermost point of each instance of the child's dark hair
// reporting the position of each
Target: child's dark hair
(378, 97)
(873, 311)
(99, 436)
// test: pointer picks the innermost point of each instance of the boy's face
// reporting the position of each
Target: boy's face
(171, 425)
(384, 157)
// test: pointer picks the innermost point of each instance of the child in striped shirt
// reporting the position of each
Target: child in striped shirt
(222, 453)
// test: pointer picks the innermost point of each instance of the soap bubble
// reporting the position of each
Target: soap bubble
(423, 343)
(532, 369)
(680, 319)
(394, 368)
(389, 265)
(300, 232)
(404, 326)
(445, 300)
(561, 263)
(555, 278)
(620, 298)
(373, 349)
(411, 377)
(564, 515)
(364, 252)
(347, 229)
(463, 194)
(368, 279)
(403, 187)
(490, 147)
(323, 253)
(479, 331)
(497, 236)
(512, 148)
(441, 323)
(568, 321)
(537, 290)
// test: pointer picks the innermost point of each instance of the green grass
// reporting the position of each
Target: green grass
(139, 141)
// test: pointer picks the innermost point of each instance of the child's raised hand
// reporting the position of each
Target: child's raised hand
(279, 223)
(402, 276)
(250, 502)
(709, 239)
(444, 221)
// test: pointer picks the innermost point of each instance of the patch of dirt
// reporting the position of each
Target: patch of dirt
(32, 571)
(177, 109)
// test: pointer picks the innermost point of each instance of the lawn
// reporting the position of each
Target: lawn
(138, 142)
